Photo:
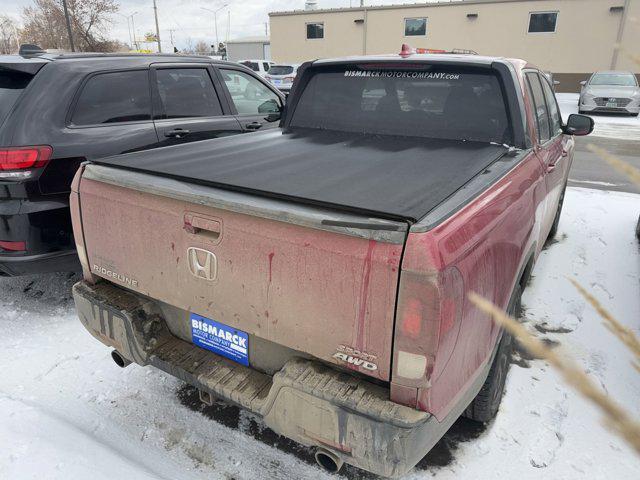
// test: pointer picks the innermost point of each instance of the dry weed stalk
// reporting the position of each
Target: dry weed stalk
(624, 334)
(632, 172)
(615, 417)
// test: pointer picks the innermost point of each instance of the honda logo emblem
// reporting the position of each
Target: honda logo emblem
(202, 263)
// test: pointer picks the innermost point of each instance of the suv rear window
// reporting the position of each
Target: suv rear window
(114, 97)
(434, 102)
(11, 86)
(252, 65)
(281, 70)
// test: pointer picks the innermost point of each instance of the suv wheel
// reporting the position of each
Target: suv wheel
(485, 406)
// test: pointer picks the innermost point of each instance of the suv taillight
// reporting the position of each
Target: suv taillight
(18, 163)
(13, 246)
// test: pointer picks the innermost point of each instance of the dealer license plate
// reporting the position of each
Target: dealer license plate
(277, 82)
(612, 104)
(220, 338)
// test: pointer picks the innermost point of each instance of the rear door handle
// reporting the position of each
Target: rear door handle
(552, 166)
(253, 126)
(177, 133)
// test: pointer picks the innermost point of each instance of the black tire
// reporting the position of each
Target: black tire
(556, 220)
(485, 406)
(638, 229)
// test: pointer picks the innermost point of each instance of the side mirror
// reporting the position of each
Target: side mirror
(556, 82)
(270, 106)
(578, 125)
(273, 117)
(583, 83)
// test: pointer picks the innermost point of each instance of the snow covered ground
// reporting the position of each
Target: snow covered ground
(67, 412)
(622, 127)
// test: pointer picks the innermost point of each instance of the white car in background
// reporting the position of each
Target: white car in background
(282, 75)
(610, 91)
(260, 66)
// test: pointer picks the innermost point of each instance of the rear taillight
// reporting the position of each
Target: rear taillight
(13, 246)
(427, 325)
(20, 162)
(289, 79)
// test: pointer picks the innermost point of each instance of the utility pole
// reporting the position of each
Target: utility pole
(133, 30)
(266, 29)
(215, 21)
(171, 35)
(66, 17)
(128, 29)
(155, 12)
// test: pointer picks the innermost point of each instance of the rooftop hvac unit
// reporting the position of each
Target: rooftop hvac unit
(311, 4)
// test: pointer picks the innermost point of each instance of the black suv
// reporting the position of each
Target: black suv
(58, 110)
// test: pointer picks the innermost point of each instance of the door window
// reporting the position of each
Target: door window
(187, 92)
(265, 66)
(114, 97)
(250, 96)
(540, 111)
(552, 106)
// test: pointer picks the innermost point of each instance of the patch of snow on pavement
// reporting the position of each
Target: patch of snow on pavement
(611, 125)
(67, 412)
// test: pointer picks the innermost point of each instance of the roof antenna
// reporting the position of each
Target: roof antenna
(27, 50)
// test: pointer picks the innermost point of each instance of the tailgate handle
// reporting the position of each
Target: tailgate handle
(209, 228)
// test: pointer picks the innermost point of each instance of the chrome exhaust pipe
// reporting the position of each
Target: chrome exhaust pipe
(328, 460)
(119, 359)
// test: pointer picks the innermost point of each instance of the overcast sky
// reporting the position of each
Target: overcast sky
(188, 20)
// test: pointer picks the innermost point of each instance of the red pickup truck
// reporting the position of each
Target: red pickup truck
(317, 274)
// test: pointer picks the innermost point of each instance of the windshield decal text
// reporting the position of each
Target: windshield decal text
(401, 74)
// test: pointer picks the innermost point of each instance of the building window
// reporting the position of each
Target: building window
(415, 27)
(542, 22)
(315, 30)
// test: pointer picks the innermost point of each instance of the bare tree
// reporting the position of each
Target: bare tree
(44, 24)
(8, 35)
(189, 48)
(202, 48)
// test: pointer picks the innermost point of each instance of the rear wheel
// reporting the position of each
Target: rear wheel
(485, 406)
(556, 220)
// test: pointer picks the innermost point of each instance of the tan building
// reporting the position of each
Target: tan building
(570, 38)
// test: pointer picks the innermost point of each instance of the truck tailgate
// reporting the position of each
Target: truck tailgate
(315, 281)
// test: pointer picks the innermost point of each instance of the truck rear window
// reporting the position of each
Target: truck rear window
(433, 102)
(281, 70)
(11, 86)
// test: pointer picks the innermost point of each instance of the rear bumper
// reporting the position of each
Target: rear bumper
(63, 261)
(286, 89)
(305, 401)
(44, 225)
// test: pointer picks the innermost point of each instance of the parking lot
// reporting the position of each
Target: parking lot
(64, 402)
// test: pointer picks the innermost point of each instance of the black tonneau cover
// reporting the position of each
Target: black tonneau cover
(383, 176)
